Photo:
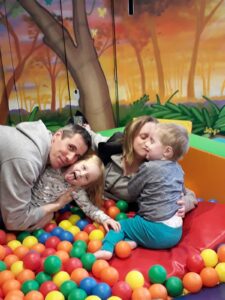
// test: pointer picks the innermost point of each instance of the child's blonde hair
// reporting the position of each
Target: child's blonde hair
(175, 136)
(95, 189)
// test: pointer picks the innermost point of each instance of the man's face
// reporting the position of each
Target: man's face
(67, 151)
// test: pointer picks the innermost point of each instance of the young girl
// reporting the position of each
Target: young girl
(54, 190)
(157, 185)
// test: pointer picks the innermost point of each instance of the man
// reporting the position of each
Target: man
(25, 150)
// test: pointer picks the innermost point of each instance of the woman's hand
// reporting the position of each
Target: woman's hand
(111, 223)
(181, 210)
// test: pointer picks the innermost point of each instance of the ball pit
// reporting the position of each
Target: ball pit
(56, 263)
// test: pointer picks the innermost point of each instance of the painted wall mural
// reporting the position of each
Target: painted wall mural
(167, 60)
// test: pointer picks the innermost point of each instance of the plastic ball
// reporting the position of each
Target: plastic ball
(122, 205)
(158, 291)
(87, 260)
(80, 243)
(195, 263)
(2, 266)
(63, 255)
(32, 260)
(89, 228)
(60, 277)
(25, 275)
(174, 286)
(52, 264)
(2, 252)
(82, 235)
(157, 274)
(47, 252)
(94, 246)
(57, 231)
(192, 282)
(17, 267)
(65, 224)
(14, 295)
(93, 298)
(122, 289)
(77, 211)
(29, 285)
(13, 244)
(65, 246)
(123, 249)
(71, 264)
(42, 238)
(209, 277)
(121, 216)
(6, 275)
(67, 286)
(135, 279)
(10, 259)
(10, 285)
(49, 227)
(77, 294)
(98, 266)
(87, 284)
(52, 242)
(78, 274)
(220, 269)
(42, 277)
(96, 234)
(53, 295)
(30, 241)
(141, 293)
(38, 232)
(39, 247)
(210, 257)
(73, 219)
(221, 253)
(77, 252)
(34, 295)
(47, 287)
(109, 275)
(82, 223)
(114, 298)
(67, 236)
(108, 203)
(102, 290)
(2, 237)
(113, 211)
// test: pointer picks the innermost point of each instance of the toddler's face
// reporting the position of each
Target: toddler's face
(156, 149)
(82, 173)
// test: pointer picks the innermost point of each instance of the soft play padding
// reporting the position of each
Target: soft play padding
(204, 227)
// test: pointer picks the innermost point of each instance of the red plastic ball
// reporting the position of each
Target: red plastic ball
(122, 289)
(32, 260)
(47, 287)
(2, 237)
(108, 203)
(88, 228)
(50, 226)
(72, 264)
(195, 263)
(52, 242)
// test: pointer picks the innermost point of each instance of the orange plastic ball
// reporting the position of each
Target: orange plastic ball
(21, 251)
(109, 275)
(63, 255)
(65, 246)
(82, 235)
(209, 277)
(158, 291)
(192, 282)
(25, 275)
(6, 275)
(34, 295)
(78, 274)
(39, 247)
(94, 246)
(141, 293)
(15, 295)
(10, 237)
(123, 249)
(112, 211)
(10, 285)
(98, 266)
(2, 252)
(221, 253)
(10, 259)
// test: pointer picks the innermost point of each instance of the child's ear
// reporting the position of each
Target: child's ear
(168, 152)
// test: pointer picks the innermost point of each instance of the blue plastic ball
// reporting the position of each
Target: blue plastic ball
(66, 236)
(82, 223)
(43, 237)
(102, 290)
(87, 284)
(57, 231)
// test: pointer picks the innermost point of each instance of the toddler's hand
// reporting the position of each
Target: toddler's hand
(111, 223)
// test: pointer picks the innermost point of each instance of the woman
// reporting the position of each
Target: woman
(121, 167)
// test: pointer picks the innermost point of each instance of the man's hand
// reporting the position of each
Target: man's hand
(111, 223)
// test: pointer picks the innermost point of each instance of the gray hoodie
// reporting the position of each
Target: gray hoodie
(24, 153)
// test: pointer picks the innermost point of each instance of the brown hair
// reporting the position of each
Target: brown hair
(130, 132)
(95, 189)
(175, 136)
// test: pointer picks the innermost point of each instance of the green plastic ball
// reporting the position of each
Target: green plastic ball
(174, 286)
(67, 287)
(77, 211)
(122, 205)
(121, 216)
(22, 235)
(38, 232)
(77, 252)
(87, 260)
(80, 243)
(52, 264)
(42, 277)
(157, 274)
(2, 266)
(29, 285)
(77, 294)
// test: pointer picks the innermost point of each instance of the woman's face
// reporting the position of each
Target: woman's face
(82, 173)
(142, 139)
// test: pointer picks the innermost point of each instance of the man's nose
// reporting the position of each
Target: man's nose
(71, 157)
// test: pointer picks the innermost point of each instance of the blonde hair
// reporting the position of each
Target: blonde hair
(95, 189)
(131, 130)
(175, 136)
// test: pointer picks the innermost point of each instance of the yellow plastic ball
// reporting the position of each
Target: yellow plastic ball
(54, 295)
(73, 219)
(96, 234)
(30, 241)
(220, 269)
(65, 224)
(92, 297)
(209, 257)
(74, 230)
(17, 267)
(135, 279)
(60, 277)
(114, 298)
(13, 244)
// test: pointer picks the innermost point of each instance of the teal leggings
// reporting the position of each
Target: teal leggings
(145, 233)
